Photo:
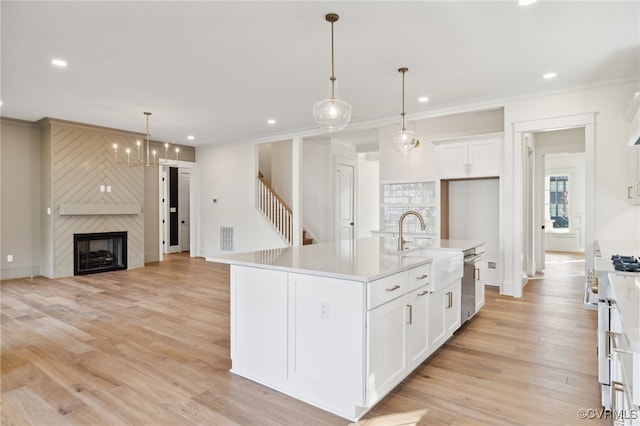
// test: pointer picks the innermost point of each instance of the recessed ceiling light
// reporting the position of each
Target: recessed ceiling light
(423, 99)
(59, 63)
(526, 2)
(271, 121)
(549, 75)
(191, 137)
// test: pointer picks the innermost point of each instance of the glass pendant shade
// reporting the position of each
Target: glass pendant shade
(404, 141)
(332, 114)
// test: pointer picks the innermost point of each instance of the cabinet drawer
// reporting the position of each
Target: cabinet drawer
(419, 276)
(387, 288)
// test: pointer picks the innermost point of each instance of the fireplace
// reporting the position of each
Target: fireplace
(99, 252)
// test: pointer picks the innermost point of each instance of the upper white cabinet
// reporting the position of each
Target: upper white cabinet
(471, 157)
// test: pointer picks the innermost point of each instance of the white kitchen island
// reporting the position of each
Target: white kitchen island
(339, 325)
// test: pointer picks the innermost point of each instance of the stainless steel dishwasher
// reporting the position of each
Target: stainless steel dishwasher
(472, 258)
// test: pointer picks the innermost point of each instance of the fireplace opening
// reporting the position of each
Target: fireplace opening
(99, 252)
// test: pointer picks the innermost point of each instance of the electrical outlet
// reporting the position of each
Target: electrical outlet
(324, 309)
(9, 258)
(492, 265)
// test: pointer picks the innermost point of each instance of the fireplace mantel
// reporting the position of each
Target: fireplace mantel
(99, 209)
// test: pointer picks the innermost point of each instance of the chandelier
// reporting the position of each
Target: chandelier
(147, 157)
(332, 114)
(404, 140)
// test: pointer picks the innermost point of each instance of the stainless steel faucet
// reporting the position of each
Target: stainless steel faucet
(423, 225)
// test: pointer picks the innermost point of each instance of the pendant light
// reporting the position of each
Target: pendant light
(332, 114)
(404, 140)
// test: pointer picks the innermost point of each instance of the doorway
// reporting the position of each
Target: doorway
(518, 275)
(557, 195)
(175, 208)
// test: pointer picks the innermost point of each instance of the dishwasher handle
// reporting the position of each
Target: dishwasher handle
(473, 259)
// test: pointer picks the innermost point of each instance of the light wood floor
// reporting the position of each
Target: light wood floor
(150, 346)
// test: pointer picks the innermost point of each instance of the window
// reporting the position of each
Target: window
(556, 196)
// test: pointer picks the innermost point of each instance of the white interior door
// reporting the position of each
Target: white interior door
(345, 199)
(184, 214)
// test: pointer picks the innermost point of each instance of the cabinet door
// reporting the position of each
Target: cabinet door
(417, 327)
(437, 331)
(453, 310)
(483, 159)
(386, 351)
(453, 160)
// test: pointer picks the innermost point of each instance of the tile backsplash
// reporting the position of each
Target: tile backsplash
(397, 198)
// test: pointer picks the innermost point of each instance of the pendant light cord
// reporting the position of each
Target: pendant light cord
(404, 115)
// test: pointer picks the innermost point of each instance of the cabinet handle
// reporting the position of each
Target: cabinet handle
(422, 277)
(629, 192)
(638, 189)
(449, 300)
(395, 287)
(469, 168)
(423, 292)
(477, 274)
(614, 343)
(410, 314)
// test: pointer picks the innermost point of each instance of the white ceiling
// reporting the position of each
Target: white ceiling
(219, 69)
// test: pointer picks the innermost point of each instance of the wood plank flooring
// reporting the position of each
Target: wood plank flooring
(150, 346)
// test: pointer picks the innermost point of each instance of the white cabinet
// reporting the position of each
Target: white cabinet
(452, 314)
(339, 344)
(444, 314)
(387, 348)
(633, 174)
(469, 158)
(397, 331)
(417, 326)
(625, 358)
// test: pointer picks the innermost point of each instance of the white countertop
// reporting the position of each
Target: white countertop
(364, 259)
(626, 292)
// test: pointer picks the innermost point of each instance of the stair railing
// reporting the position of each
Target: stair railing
(275, 209)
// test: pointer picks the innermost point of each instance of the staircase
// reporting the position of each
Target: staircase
(277, 212)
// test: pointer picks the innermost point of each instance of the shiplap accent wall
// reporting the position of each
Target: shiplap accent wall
(80, 160)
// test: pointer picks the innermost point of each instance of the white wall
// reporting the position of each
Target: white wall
(368, 193)
(228, 174)
(281, 179)
(317, 190)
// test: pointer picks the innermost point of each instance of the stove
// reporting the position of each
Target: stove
(625, 263)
